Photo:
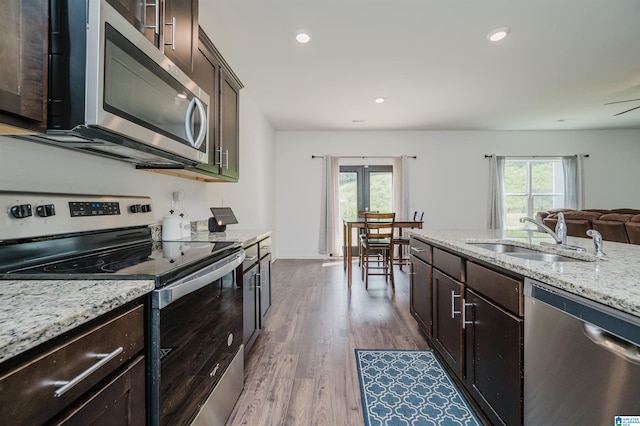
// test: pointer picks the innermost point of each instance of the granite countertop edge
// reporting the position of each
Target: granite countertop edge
(34, 312)
(613, 281)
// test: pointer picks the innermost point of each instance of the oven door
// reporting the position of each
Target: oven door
(196, 330)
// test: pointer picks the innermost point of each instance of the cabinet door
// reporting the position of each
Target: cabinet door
(494, 339)
(205, 74)
(180, 32)
(447, 329)
(143, 15)
(229, 126)
(420, 295)
(23, 64)
(265, 288)
(250, 301)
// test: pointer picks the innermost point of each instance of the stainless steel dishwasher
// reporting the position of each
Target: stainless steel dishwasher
(581, 360)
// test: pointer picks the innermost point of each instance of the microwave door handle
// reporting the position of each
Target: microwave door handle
(189, 120)
(203, 127)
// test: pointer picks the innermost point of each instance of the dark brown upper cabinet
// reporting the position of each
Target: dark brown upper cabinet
(23, 67)
(171, 25)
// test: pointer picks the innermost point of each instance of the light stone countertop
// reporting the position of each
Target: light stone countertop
(613, 281)
(33, 311)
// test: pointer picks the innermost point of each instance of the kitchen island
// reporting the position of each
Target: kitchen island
(468, 293)
(613, 281)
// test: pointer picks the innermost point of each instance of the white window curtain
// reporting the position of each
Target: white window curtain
(330, 227)
(572, 167)
(401, 187)
(496, 219)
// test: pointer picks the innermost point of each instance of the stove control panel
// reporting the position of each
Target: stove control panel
(94, 208)
(34, 214)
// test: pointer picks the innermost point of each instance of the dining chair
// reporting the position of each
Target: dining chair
(377, 246)
(402, 241)
(361, 214)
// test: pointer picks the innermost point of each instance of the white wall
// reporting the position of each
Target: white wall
(28, 166)
(449, 178)
(252, 198)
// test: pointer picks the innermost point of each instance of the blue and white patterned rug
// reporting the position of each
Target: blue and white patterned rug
(409, 388)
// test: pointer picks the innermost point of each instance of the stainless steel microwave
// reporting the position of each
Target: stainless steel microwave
(113, 93)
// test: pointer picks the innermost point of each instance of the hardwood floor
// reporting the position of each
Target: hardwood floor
(301, 370)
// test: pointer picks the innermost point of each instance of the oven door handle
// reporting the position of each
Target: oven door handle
(207, 275)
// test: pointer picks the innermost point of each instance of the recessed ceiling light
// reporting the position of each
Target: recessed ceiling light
(357, 121)
(303, 37)
(498, 34)
(379, 100)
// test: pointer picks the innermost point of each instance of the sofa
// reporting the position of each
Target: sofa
(620, 225)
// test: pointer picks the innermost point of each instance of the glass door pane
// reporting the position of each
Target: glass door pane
(348, 194)
(380, 191)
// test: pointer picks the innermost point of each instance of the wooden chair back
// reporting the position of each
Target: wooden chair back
(378, 227)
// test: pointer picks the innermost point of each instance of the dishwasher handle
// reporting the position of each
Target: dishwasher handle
(612, 343)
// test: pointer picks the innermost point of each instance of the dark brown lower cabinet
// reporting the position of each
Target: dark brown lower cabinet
(494, 357)
(447, 331)
(420, 294)
(94, 374)
(250, 323)
(265, 288)
(119, 402)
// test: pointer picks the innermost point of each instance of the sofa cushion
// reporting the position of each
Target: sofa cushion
(633, 229)
(626, 211)
(612, 227)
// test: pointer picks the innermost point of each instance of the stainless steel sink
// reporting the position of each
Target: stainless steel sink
(503, 248)
(525, 253)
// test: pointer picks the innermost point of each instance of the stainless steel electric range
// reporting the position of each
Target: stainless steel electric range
(195, 354)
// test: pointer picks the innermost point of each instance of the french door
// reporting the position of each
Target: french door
(365, 188)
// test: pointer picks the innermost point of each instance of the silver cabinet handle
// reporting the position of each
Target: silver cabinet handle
(252, 258)
(156, 28)
(104, 358)
(173, 33)
(453, 304)
(417, 249)
(226, 164)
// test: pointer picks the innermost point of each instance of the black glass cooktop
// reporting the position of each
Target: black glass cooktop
(163, 262)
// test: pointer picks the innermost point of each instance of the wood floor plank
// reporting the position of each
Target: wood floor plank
(301, 369)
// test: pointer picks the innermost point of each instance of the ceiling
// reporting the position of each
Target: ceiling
(431, 61)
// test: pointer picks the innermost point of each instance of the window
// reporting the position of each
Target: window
(532, 185)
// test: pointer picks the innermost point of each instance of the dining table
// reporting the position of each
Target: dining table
(350, 224)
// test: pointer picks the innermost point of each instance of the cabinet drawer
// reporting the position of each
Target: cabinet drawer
(265, 247)
(501, 289)
(87, 357)
(448, 263)
(251, 256)
(121, 400)
(421, 250)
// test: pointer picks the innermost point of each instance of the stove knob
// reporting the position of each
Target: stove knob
(135, 208)
(21, 211)
(46, 210)
(146, 208)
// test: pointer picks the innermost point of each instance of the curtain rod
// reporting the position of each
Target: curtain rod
(362, 156)
(535, 156)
